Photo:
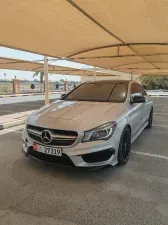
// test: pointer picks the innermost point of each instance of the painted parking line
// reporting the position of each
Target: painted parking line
(164, 105)
(160, 118)
(14, 129)
(160, 113)
(157, 119)
(158, 106)
(6, 111)
(150, 155)
(155, 125)
(23, 104)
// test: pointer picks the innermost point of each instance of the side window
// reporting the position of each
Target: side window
(136, 89)
(119, 93)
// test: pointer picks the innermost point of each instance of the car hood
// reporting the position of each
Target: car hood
(76, 115)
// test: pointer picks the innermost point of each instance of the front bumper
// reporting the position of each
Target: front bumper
(89, 154)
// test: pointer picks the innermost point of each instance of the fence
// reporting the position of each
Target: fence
(7, 87)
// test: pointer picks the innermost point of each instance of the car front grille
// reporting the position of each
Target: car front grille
(59, 137)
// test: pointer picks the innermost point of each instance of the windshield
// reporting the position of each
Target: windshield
(105, 92)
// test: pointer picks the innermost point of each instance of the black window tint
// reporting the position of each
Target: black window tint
(105, 91)
(119, 93)
(91, 92)
(136, 89)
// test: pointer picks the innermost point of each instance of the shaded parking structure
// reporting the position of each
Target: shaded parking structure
(119, 35)
(92, 32)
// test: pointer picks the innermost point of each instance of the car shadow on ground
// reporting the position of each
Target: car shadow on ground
(36, 169)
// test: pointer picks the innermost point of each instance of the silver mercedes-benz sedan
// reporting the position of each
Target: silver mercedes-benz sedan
(93, 125)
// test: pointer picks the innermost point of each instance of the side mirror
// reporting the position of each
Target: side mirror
(138, 99)
(63, 95)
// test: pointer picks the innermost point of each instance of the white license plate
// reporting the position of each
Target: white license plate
(47, 150)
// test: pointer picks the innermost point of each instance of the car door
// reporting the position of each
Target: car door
(146, 106)
(137, 110)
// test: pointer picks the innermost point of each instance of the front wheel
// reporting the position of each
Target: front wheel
(124, 147)
(150, 120)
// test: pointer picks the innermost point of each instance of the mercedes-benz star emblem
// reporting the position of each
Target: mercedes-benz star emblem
(46, 137)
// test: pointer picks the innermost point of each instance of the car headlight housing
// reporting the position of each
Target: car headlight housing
(27, 120)
(103, 132)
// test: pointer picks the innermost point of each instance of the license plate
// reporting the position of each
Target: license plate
(47, 150)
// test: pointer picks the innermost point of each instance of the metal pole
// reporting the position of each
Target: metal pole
(131, 76)
(94, 74)
(118, 76)
(6, 83)
(46, 80)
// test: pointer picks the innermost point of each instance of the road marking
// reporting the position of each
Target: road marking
(158, 119)
(1, 110)
(150, 155)
(160, 106)
(155, 125)
(160, 113)
(23, 104)
(13, 129)
(158, 96)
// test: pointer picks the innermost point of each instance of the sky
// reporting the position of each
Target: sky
(10, 74)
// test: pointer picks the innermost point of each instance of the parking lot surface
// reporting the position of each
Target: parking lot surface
(24, 103)
(6, 109)
(33, 192)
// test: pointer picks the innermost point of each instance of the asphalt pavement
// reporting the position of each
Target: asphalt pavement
(30, 98)
(21, 107)
(34, 192)
(22, 104)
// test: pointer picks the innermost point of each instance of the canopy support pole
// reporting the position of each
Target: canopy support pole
(94, 74)
(46, 80)
(131, 76)
(117, 76)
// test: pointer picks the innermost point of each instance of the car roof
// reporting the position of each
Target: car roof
(110, 81)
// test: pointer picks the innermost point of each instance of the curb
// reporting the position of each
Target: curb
(12, 124)
(158, 95)
(13, 96)
(33, 94)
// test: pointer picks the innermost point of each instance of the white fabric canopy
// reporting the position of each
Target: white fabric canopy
(129, 36)
(16, 64)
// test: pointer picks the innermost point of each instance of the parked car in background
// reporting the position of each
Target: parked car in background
(93, 125)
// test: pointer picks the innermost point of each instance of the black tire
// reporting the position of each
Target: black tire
(150, 120)
(124, 147)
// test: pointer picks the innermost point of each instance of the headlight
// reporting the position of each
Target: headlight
(103, 132)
